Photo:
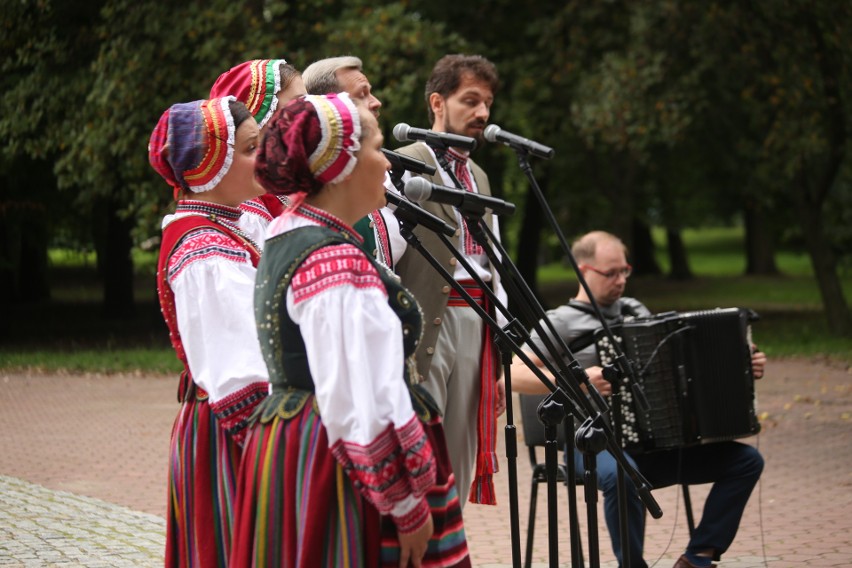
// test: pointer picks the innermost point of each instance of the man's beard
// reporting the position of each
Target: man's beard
(479, 136)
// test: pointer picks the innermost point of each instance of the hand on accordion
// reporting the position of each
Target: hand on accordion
(758, 362)
(602, 385)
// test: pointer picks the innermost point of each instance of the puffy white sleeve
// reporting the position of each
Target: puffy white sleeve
(214, 298)
(355, 353)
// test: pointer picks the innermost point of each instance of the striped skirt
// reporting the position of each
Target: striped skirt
(203, 462)
(297, 509)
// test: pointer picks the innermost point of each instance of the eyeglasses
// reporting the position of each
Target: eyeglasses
(615, 272)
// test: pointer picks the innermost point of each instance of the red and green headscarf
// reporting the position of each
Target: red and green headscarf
(192, 146)
(255, 83)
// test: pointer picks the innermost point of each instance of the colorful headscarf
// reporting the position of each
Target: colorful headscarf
(255, 83)
(312, 142)
(192, 146)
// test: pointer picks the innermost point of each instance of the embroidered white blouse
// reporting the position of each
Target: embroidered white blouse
(212, 279)
(354, 346)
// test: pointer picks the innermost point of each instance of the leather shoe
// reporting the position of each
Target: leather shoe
(683, 562)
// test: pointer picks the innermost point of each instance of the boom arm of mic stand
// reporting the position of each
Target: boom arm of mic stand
(408, 222)
(478, 228)
(620, 360)
(535, 313)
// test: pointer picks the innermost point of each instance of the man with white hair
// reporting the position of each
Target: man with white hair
(345, 73)
(336, 74)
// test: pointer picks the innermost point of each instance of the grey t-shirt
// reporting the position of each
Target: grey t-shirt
(575, 318)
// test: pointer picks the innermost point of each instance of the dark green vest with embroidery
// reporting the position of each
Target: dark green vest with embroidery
(281, 340)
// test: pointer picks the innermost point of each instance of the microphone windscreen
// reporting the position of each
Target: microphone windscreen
(491, 132)
(418, 189)
(400, 132)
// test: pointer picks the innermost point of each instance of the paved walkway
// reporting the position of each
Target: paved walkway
(83, 462)
(41, 527)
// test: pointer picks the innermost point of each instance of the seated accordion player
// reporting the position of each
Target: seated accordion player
(694, 369)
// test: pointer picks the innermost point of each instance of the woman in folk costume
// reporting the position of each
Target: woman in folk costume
(345, 463)
(264, 86)
(205, 279)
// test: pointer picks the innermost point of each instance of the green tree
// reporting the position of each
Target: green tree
(792, 70)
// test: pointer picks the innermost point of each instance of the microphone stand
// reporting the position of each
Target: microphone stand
(579, 401)
(619, 372)
(505, 340)
(594, 422)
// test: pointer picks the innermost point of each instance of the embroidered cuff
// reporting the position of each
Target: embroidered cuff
(397, 465)
(413, 519)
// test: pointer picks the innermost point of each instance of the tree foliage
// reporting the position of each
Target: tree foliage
(661, 112)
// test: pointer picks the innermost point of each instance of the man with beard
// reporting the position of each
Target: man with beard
(456, 358)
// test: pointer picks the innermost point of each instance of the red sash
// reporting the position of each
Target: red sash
(482, 488)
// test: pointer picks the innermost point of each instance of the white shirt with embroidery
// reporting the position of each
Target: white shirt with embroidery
(354, 346)
(212, 279)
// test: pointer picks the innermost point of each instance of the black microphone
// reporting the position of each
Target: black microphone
(441, 140)
(420, 189)
(494, 133)
(407, 211)
(401, 161)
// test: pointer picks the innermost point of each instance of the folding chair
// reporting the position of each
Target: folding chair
(534, 438)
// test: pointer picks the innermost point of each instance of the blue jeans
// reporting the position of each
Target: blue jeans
(731, 467)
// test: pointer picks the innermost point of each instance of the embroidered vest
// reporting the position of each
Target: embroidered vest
(173, 234)
(281, 340)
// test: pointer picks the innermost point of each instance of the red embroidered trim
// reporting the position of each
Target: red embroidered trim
(332, 266)
(257, 208)
(234, 410)
(396, 465)
(203, 244)
(380, 230)
(414, 519)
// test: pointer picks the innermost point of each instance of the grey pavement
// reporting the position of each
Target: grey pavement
(83, 475)
(41, 527)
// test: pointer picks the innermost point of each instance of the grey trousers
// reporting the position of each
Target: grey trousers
(454, 382)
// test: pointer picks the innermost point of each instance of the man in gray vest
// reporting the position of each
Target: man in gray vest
(456, 359)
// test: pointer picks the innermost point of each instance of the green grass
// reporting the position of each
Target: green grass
(70, 333)
(792, 320)
(149, 360)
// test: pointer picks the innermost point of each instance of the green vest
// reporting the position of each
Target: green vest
(281, 341)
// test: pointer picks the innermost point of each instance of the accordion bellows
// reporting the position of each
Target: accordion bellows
(694, 369)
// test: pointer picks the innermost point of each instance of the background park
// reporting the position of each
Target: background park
(712, 136)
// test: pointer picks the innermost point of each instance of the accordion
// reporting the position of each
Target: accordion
(695, 371)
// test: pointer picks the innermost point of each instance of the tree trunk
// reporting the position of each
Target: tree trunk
(812, 187)
(25, 223)
(759, 242)
(33, 263)
(677, 256)
(117, 264)
(824, 263)
(529, 241)
(642, 254)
